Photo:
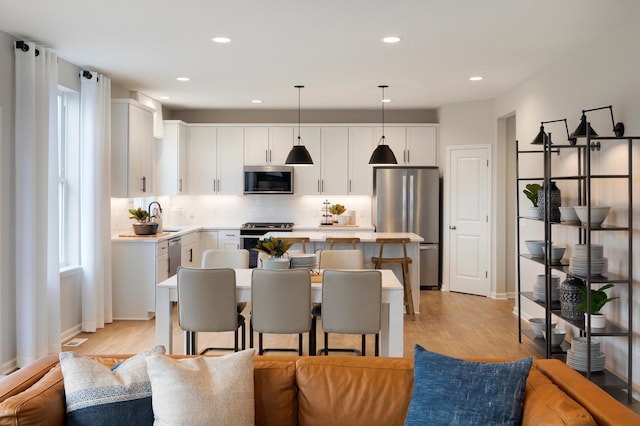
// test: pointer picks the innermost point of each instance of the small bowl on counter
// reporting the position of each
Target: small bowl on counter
(535, 247)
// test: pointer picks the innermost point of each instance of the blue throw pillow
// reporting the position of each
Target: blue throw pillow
(99, 396)
(448, 391)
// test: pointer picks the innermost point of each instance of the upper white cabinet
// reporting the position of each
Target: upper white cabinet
(215, 159)
(361, 145)
(132, 149)
(307, 178)
(329, 147)
(412, 145)
(267, 145)
(172, 159)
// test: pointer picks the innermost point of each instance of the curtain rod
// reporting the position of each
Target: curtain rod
(20, 44)
(87, 74)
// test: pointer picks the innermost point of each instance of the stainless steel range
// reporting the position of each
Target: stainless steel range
(251, 232)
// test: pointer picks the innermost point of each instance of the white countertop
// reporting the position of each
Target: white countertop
(365, 237)
(129, 236)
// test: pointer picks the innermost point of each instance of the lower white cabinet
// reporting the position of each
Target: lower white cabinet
(190, 255)
(229, 239)
(136, 267)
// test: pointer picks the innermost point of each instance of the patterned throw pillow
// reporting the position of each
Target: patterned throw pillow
(203, 390)
(450, 391)
(97, 395)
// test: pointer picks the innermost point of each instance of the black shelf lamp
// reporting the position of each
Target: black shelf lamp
(299, 156)
(543, 137)
(581, 130)
(382, 154)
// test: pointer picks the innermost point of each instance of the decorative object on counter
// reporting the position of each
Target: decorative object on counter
(598, 299)
(571, 297)
(539, 324)
(337, 210)
(555, 201)
(578, 264)
(535, 247)
(382, 154)
(577, 355)
(327, 217)
(299, 155)
(568, 215)
(531, 191)
(143, 226)
(539, 291)
(273, 246)
(598, 215)
(156, 214)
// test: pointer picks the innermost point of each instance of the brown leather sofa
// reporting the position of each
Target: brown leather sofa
(333, 391)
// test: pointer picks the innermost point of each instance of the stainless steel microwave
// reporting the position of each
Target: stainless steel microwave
(268, 180)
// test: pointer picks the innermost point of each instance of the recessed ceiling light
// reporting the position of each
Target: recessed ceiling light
(476, 78)
(164, 98)
(256, 101)
(183, 78)
(221, 39)
(391, 39)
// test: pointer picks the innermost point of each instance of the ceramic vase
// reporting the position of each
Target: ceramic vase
(554, 201)
(571, 297)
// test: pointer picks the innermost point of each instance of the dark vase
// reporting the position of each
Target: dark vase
(554, 200)
(571, 297)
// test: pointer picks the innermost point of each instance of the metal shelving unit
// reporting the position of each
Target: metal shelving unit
(583, 179)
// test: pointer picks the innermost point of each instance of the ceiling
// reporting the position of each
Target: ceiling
(332, 47)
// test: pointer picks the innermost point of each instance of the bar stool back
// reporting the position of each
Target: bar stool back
(404, 261)
(342, 240)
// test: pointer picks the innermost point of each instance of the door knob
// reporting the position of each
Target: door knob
(452, 227)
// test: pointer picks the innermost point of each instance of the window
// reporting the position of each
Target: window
(68, 177)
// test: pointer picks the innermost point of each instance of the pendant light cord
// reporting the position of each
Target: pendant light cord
(299, 138)
(382, 86)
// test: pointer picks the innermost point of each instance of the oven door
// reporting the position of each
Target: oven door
(248, 242)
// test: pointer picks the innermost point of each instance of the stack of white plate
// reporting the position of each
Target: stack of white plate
(578, 264)
(577, 355)
(303, 261)
(539, 288)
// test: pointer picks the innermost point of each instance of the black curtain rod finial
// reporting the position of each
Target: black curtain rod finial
(22, 46)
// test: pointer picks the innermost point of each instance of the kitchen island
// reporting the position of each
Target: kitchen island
(369, 249)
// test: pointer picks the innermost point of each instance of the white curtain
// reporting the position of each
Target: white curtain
(37, 233)
(95, 227)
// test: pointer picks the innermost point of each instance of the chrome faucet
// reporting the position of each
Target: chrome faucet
(157, 214)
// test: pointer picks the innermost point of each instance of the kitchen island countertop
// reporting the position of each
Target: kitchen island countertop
(365, 237)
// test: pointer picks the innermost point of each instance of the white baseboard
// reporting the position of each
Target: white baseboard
(70, 333)
(8, 367)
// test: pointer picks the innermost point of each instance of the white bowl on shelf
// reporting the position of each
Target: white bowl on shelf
(568, 215)
(557, 336)
(556, 253)
(598, 214)
(535, 247)
(538, 325)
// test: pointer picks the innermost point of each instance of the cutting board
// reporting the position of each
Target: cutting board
(132, 235)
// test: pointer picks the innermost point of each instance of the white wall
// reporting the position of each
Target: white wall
(603, 73)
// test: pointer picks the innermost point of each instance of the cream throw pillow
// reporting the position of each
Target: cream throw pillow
(202, 390)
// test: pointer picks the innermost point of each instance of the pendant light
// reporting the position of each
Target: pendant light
(299, 156)
(382, 154)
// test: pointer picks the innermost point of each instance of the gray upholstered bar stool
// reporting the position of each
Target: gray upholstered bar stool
(404, 262)
(342, 240)
(352, 304)
(207, 303)
(281, 304)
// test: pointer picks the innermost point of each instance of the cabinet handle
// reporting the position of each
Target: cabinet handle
(452, 227)
(180, 185)
(318, 186)
(190, 255)
(218, 180)
(322, 184)
(349, 185)
(266, 155)
(144, 184)
(214, 185)
(408, 156)
(269, 156)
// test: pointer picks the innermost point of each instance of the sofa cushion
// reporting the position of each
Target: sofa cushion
(275, 390)
(98, 395)
(202, 390)
(354, 391)
(452, 391)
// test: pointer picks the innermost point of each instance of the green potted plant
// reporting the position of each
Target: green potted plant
(336, 210)
(531, 191)
(143, 225)
(275, 248)
(599, 298)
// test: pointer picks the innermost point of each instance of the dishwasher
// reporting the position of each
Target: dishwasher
(175, 254)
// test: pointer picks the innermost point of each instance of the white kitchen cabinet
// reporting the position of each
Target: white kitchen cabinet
(136, 267)
(208, 240)
(132, 149)
(229, 239)
(328, 147)
(412, 145)
(267, 145)
(215, 160)
(307, 178)
(361, 145)
(172, 159)
(190, 252)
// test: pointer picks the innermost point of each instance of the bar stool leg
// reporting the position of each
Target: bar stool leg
(408, 295)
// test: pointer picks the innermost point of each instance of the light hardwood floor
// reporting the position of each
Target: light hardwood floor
(455, 324)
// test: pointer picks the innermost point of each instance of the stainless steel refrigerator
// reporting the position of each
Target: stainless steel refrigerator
(407, 199)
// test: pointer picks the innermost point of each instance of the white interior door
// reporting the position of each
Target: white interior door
(468, 220)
